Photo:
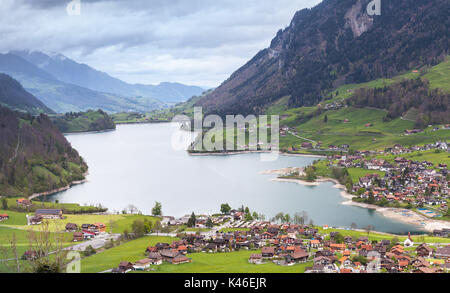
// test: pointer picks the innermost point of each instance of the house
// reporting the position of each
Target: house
(210, 247)
(100, 227)
(49, 213)
(323, 260)
(238, 216)
(443, 252)
(124, 267)
(88, 234)
(420, 262)
(71, 227)
(298, 256)
(24, 202)
(180, 259)
(424, 250)
(424, 270)
(4, 217)
(336, 246)
(162, 246)
(345, 262)
(78, 236)
(182, 249)
(90, 227)
(151, 249)
(169, 254)
(273, 229)
(266, 236)
(30, 255)
(142, 264)
(256, 259)
(314, 243)
(36, 220)
(268, 252)
(155, 258)
(440, 233)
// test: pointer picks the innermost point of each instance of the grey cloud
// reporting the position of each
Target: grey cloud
(148, 41)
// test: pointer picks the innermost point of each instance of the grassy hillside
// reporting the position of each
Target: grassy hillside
(15, 97)
(83, 122)
(310, 123)
(382, 133)
(34, 156)
(437, 75)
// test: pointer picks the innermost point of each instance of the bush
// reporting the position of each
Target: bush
(89, 251)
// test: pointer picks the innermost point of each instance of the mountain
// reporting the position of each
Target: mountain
(66, 97)
(69, 71)
(14, 96)
(332, 44)
(34, 156)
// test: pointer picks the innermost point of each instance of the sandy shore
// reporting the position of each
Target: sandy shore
(283, 171)
(404, 215)
(401, 215)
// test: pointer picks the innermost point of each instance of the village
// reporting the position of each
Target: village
(284, 243)
(291, 244)
(398, 182)
(405, 183)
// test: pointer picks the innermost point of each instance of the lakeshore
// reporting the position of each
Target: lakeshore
(61, 189)
(193, 153)
(148, 166)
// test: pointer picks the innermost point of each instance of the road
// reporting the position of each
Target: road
(298, 136)
(98, 242)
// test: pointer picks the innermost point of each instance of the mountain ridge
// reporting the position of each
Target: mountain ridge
(70, 71)
(63, 97)
(332, 44)
(34, 155)
(14, 96)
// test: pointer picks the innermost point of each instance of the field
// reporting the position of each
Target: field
(383, 236)
(356, 173)
(437, 75)
(355, 133)
(22, 244)
(15, 218)
(382, 134)
(234, 262)
(130, 118)
(66, 207)
(119, 222)
(131, 251)
(431, 156)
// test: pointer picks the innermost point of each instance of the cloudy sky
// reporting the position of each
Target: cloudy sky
(199, 42)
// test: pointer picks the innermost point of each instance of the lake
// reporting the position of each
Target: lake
(136, 164)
